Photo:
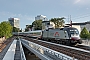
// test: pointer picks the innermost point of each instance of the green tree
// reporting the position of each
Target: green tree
(84, 33)
(37, 24)
(16, 29)
(88, 36)
(26, 30)
(28, 27)
(1, 31)
(5, 29)
(21, 30)
(58, 21)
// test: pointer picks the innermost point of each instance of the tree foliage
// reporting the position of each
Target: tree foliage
(84, 33)
(37, 24)
(5, 29)
(16, 29)
(58, 22)
(20, 30)
(88, 36)
(28, 27)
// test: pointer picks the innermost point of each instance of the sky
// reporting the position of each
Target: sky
(27, 10)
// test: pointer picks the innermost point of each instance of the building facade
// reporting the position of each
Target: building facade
(41, 17)
(80, 26)
(14, 22)
(47, 25)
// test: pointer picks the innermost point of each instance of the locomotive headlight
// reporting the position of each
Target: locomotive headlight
(65, 32)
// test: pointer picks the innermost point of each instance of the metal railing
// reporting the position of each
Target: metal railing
(47, 52)
(22, 52)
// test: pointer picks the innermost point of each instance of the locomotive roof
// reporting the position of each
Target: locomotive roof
(65, 28)
(45, 21)
(69, 28)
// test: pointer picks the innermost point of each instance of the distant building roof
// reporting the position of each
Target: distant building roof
(83, 23)
(41, 15)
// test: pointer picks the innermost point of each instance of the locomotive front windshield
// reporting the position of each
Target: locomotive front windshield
(72, 31)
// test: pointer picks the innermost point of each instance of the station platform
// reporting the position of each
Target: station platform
(13, 52)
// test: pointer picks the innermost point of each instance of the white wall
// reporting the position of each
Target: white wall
(88, 27)
(78, 27)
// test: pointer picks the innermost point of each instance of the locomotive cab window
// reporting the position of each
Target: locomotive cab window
(74, 32)
(48, 23)
(71, 31)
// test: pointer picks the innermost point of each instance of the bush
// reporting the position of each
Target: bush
(88, 36)
(84, 33)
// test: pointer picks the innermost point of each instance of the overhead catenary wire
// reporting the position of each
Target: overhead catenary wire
(81, 16)
(77, 17)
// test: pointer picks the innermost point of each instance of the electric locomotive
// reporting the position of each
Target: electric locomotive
(66, 35)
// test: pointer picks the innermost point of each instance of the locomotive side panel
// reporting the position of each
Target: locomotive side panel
(55, 34)
(60, 34)
(66, 36)
(44, 34)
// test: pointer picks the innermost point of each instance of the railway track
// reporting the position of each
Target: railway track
(78, 46)
(82, 47)
(5, 43)
(80, 55)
